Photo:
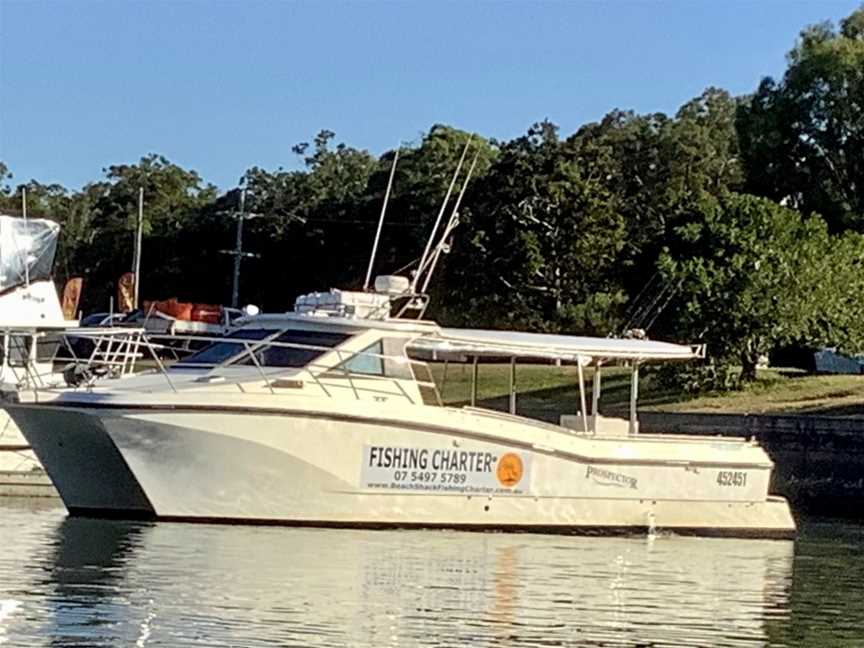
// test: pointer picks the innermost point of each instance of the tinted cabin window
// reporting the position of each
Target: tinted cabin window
(275, 356)
(219, 352)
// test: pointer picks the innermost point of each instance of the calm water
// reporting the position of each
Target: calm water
(76, 582)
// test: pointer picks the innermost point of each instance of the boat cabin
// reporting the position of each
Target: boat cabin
(347, 346)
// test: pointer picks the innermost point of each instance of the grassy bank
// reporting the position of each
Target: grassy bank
(546, 391)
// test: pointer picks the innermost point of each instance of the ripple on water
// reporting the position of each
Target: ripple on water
(77, 582)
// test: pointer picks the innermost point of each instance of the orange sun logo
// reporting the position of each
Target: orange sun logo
(509, 470)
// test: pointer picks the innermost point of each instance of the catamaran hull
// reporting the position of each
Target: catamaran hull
(308, 468)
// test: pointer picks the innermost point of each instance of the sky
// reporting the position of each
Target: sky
(220, 86)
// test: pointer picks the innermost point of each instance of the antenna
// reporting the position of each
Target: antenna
(451, 225)
(381, 221)
(440, 214)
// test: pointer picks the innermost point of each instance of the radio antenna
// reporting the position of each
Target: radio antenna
(381, 221)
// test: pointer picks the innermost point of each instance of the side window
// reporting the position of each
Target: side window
(369, 365)
(391, 365)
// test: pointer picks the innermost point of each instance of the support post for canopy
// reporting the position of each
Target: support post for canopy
(443, 379)
(634, 395)
(582, 405)
(513, 385)
(474, 371)
(595, 397)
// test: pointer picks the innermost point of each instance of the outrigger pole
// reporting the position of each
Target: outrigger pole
(440, 214)
(381, 221)
(451, 225)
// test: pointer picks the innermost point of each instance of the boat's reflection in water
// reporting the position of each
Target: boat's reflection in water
(116, 583)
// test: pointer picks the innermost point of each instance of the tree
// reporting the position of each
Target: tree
(753, 276)
(5, 189)
(803, 137)
(658, 168)
(102, 227)
(540, 237)
(308, 219)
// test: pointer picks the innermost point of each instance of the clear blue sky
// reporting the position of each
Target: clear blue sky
(223, 85)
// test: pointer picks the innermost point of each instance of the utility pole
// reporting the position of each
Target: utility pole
(238, 252)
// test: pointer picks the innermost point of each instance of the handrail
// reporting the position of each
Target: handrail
(247, 352)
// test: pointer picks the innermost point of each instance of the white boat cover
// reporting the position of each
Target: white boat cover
(484, 343)
(29, 243)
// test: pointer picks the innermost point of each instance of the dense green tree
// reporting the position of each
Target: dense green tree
(307, 216)
(658, 168)
(802, 137)
(329, 209)
(104, 228)
(541, 235)
(753, 276)
(423, 175)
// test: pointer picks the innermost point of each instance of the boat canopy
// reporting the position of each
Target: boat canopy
(27, 248)
(584, 350)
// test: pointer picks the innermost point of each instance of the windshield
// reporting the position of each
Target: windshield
(268, 355)
(219, 352)
(278, 356)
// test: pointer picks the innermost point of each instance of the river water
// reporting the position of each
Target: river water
(80, 582)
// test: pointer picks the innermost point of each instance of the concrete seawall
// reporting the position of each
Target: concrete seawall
(819, 460)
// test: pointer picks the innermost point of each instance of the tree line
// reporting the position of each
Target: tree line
(738, 221)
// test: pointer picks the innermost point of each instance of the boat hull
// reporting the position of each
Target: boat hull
(319, 469)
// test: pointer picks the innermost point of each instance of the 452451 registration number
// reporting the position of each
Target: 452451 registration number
(732, 478)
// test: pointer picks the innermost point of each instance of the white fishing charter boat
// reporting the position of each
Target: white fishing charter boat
(322, 417)
(326, 416)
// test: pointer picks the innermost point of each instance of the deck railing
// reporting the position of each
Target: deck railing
(114, 351)
(114, 355)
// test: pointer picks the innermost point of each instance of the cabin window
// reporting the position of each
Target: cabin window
(367, 365)
(267, 355)
(219, 352)
(276, 356)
